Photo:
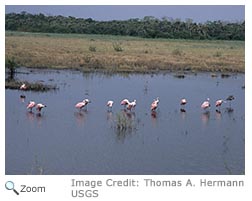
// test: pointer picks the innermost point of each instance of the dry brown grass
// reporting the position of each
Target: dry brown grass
(137, 55)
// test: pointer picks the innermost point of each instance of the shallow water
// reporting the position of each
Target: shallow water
(63, 140)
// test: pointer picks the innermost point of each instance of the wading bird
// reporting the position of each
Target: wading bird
(110, 104)
(218, 103)
(124, 102)
(82, 104)
(154, 104)
(205, 104)
(23, 87)
(230, 98)
(31, 105)
(183, 101)
(40, 106)
(131, 105)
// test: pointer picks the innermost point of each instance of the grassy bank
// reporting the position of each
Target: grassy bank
(123, 54)
(31, 86)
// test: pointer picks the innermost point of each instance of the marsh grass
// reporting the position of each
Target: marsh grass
(124, 125)
(11, 65)
(123, 54)
(37, 86)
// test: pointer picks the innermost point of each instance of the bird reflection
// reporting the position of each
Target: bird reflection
(154, 114)
(182, 110)
(80, 117)
(183, 113)
(129, 114)
(109, 116)
(30, 116)
(218, 114)
(22, 98)
(154, 117)
(205, 117)
(39, 118)
(229, 110)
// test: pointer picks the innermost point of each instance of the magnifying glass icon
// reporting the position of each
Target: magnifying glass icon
(9, 185)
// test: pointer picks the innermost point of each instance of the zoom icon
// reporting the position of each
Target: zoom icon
(9, 185)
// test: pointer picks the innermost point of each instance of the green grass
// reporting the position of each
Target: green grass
(130, 54)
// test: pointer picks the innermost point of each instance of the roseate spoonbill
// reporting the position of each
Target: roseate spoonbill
(110, 104)
(218, 103)
(23, 87)
(40, 106)
(205, 104)
(31, 105)
(154, 104)
(183, 101)
(131, 105)
(125, 102)
(82, 104)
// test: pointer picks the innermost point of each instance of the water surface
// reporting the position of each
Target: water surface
(63, 140)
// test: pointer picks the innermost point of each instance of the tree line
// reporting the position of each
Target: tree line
(147, 27)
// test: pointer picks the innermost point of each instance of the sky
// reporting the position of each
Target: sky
(198, 13)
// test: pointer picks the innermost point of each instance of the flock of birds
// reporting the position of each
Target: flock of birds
(127, 104)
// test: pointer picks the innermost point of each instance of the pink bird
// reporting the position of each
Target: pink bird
(205, 104)
(23, 87)
(40, 106)
(125, 102)
(31, 105)
(82, 104)
(131, 105)
(183, 101)
(154, 104)
(218, 103)
(110, 104)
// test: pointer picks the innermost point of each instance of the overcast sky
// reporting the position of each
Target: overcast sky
(231, 13)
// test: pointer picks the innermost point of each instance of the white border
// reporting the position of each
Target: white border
(58, 187)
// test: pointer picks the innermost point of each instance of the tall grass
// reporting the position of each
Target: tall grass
(124, 124)
(11, 65)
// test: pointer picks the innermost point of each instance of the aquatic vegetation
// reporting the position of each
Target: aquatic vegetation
(124, 123)
(179, 75)
(37, 86)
